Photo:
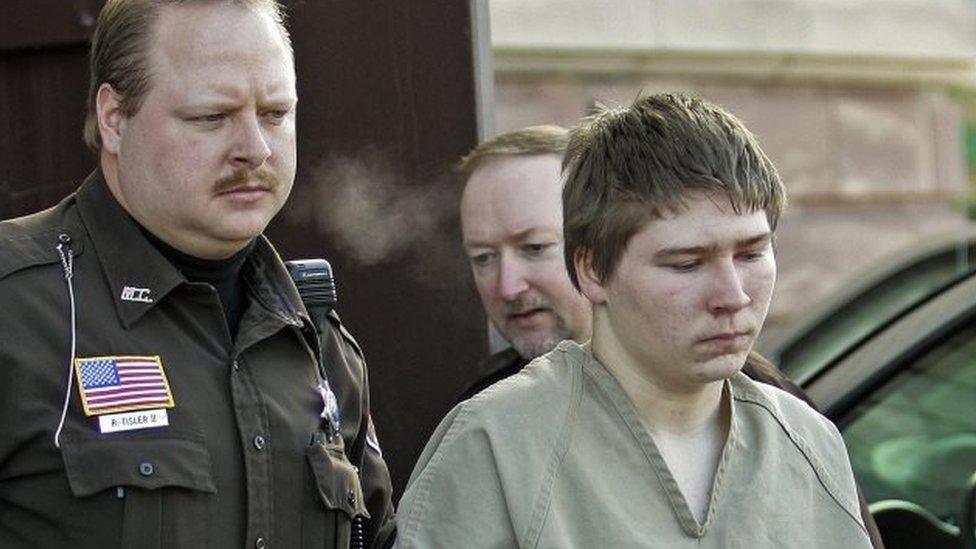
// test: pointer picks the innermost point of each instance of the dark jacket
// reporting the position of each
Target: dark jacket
(246, 459)
(508, 362)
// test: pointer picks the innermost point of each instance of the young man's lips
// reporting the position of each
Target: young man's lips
(727, 339)
(727, 336)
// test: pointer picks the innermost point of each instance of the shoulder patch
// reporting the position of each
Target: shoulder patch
(371, 439)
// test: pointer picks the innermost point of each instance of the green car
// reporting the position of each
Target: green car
(895, 368)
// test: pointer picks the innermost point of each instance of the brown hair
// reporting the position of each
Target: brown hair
(120, 51)
(526, 141)
(628, 165)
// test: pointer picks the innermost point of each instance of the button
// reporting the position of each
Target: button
(259, 442)
(146, 469)
(351, 497)
(259, 543)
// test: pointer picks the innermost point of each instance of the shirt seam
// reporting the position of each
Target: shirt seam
(823, 476)
(543, 504)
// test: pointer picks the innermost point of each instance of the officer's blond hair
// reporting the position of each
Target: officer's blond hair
(120, 51)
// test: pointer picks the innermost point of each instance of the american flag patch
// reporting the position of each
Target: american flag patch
(122, 383)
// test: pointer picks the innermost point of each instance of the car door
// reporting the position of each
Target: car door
(905, 401)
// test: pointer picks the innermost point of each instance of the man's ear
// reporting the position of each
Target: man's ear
(111, 119)
(589, 283)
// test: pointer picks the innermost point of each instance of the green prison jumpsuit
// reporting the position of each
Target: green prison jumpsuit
(243, 453)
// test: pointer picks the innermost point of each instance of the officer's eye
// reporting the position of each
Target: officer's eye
(277, 116)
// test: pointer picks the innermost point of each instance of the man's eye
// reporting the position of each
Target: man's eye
(277, 116)
(685, 267)
(535, 248)
(211, 118)
(752, 256)
(481, 260)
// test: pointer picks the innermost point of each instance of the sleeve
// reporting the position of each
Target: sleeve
(346, 368)
(455, 495)
(380, 530)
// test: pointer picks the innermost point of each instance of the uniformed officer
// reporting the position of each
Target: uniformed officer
(161, 383)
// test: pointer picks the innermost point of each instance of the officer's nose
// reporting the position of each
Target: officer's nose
(251, 146)
(726, 290)
(511, 278)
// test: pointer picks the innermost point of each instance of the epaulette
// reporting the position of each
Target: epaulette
(25, 243)
(337, 323)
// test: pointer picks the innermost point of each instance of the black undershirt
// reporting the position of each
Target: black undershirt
(223, 274)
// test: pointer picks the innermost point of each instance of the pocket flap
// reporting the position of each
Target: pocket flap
(94, 465)
(337, 481)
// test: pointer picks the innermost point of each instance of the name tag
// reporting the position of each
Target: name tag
(130, 421)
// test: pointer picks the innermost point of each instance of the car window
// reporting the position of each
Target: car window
(862, 315)
(915, 439)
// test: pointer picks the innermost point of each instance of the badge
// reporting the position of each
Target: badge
(130, 421)
(137, 295)
(112, 384)
(330, 407)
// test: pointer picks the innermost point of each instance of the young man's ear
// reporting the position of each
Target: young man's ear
(111, 119)
(589, 283)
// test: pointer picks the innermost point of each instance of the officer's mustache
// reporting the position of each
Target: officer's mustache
(245, 176)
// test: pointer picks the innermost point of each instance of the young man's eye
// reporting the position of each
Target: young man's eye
(685, 267)
(752, 256)
(210, 118)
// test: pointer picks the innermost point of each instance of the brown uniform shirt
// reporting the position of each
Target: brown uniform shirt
(246, 459)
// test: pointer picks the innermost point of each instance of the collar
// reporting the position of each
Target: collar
(138, 275)
(271, 285)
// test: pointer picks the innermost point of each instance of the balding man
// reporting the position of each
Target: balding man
(511, 219)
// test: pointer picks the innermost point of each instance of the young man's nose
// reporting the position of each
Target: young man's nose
(727, 290)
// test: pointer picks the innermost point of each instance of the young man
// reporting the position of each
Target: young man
(649, 435)
(512, 226)
(161, 383)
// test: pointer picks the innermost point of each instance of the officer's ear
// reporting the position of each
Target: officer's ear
(590, 284)
(111, 118)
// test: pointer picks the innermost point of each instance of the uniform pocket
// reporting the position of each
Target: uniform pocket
(339, 498)
(142, 471)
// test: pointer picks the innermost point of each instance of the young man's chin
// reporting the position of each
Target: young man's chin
(720, 368)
